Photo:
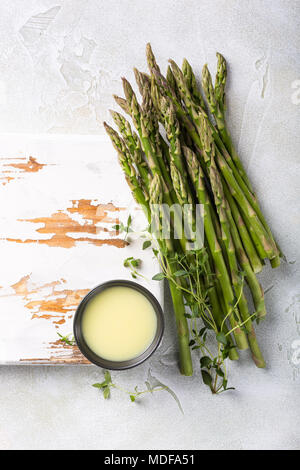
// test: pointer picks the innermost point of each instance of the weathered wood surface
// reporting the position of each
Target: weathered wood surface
(60, 198)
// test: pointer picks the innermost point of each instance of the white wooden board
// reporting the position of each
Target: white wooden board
(60, 197)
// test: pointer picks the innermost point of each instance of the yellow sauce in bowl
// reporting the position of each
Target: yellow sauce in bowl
(119, 323)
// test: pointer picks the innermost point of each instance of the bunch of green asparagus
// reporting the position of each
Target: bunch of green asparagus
(181, 153)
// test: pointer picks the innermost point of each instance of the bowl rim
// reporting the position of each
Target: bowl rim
(117, 365)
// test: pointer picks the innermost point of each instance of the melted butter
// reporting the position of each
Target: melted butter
(119, 323)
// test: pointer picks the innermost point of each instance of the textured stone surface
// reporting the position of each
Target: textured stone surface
(60, 61)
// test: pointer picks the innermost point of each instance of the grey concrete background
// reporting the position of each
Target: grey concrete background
(60, 62)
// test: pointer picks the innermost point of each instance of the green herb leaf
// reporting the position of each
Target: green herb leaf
(158, 277)
(98, 385)
(206, 377)
(126, 262)
(132, 397)
(202, 331)
(107, 376)
(180, 273)
(146, 244)
(136, 262)
(219, 371)
(66, 339)
(106, 392)
(221, 338)
(205, 361)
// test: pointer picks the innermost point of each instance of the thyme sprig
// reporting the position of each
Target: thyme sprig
(66, 339)
(152, 385)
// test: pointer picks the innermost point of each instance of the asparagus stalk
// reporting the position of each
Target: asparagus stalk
(242, 301)
(216, 99)
(205, 128)
(133, 143)
(197, 178)
(186, 367)
(243, 231)
(220, 82)
(192, 84)
(223, 210)
(255, 287)
(184, 196)
(194, 111)
(264, 243)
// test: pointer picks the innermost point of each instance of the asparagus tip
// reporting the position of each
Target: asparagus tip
(185, 64)
(173, 64)
(114, 114)
(106, 127)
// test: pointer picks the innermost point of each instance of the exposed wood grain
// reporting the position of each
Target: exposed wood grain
(61, 224)
(14, 168)
(55, 305)
(60, 353)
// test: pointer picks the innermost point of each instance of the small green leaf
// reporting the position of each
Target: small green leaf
(98, 385)
(106, 392)
(221, 338)
(158, 277)
(132, 397)
(136, 262)
(205, 361)
(206, 377)
(107, 376)
(126, 262)
(192, 342)
(66, 339)
(202, 331)
(219, 372)
(180, 273)
(146, 244)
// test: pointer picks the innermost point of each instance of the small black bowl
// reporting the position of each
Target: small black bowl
(117, 365)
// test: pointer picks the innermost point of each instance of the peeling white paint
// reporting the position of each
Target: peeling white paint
(67, 176)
